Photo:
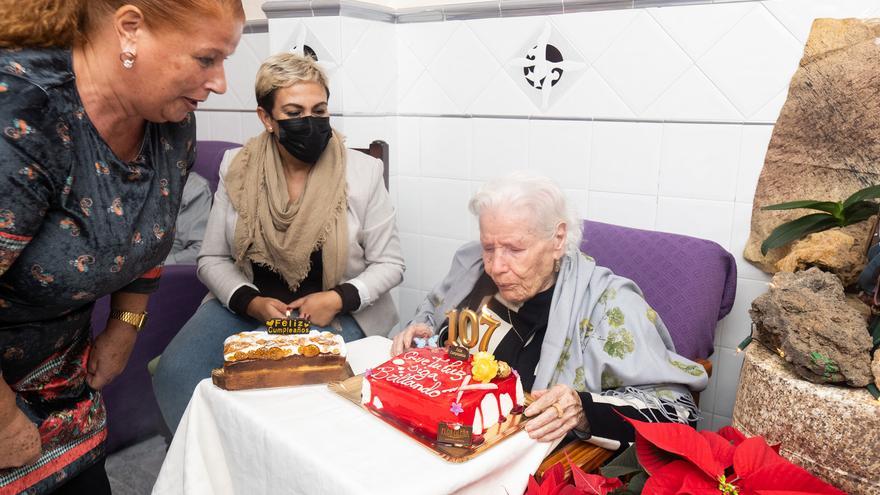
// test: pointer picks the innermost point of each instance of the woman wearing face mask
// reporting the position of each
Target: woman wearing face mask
(299, 222)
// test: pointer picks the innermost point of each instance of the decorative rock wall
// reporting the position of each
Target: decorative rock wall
(826, 143)
(833, 432)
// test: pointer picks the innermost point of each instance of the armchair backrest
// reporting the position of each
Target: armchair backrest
(690, 282)
(209, 154)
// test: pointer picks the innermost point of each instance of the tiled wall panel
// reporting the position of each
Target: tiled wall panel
(660, 120)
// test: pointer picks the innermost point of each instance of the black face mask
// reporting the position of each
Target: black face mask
(305, 137)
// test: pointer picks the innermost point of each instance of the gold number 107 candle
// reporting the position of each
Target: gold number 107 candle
(464, 328)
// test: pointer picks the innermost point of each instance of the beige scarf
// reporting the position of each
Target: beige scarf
(281, 234)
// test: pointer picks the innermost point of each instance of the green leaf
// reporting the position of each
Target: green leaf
(858, 212)
(875, 331)
(831, 207)
(622, 465)
(795, 229)
(861, 194)
(637, 483)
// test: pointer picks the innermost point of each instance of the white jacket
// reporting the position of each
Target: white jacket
(375, 263)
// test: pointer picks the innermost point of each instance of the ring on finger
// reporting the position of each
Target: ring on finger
(558, 408)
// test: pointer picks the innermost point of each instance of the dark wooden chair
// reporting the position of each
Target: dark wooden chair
(379, 149)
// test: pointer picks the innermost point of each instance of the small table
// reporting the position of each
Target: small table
(310, 440)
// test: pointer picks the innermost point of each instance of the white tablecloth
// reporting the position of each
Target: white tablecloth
(308, 440)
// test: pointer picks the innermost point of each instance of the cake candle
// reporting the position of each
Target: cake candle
(491, 323)
(452, 333)
(470, 327)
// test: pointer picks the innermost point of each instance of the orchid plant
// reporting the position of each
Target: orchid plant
(854, 209)
(672, 459)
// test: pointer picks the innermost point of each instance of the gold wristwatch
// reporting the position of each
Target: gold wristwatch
(137, 320)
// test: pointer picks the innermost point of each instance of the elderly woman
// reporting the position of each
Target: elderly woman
(583, 340)
(96, 101)
(299, 222)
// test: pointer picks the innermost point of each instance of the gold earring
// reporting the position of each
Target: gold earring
(557, 264)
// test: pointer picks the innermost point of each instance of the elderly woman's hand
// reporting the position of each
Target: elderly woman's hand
(403, 340)
(554, 413)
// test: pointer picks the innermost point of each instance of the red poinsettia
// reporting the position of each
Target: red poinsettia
(681, 460)
(553, 482)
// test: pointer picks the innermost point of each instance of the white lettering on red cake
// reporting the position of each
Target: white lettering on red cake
(422, 374)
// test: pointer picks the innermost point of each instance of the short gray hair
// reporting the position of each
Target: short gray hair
(538, 195)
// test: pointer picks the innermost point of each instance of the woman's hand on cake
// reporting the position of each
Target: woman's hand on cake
(110, 353)
(555, 412)
(319, 308)
(266, 308)
(403, 340)
(19, 442)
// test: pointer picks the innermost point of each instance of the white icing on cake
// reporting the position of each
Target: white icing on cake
(245, 343)
(365, 391)
(489, 410)
(520, 396)
(478, 423)
(506, 404)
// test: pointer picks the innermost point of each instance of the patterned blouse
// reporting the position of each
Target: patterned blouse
(76, 223)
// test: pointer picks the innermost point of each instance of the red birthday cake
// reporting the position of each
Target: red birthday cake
(444, 399)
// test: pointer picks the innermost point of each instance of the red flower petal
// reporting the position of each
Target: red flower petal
(555, 475)
(785, 478)
(655, 442)
(675, 477)
(592, 484)
(784, 492)
(570, 490)
(732, 434)
(722, 450)
(754, 454)
(533, 488)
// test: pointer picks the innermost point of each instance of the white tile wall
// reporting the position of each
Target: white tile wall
(626, 157)
(660, 62)
(499, 146)
(445, 147)
(630, 210)
(665, 127)
(699, 161)
(561, 150)
(696, 217)
(753, 61)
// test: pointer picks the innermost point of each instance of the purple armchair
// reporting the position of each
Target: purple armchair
(132, 411)
(690, 282)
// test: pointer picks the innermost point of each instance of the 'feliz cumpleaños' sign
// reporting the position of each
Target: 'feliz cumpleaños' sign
(288, 326)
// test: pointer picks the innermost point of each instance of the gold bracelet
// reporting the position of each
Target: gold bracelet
(137, 320)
